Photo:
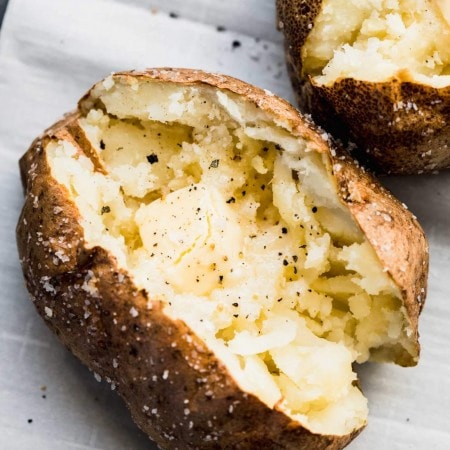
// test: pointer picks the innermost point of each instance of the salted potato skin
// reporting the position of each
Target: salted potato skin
(390, 140)
(178, 392)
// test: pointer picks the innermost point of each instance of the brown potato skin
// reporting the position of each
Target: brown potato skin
(154, 361)
(390, 140)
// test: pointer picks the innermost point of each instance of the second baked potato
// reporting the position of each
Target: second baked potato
(375, 73)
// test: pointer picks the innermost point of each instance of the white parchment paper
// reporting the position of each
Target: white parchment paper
(51, 51)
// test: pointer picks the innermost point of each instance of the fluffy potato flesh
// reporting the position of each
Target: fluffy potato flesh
(235, 225)
(379, 39)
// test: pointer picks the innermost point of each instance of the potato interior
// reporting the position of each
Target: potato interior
(235, 225)
(378, 39)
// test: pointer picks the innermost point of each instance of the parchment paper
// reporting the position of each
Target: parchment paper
(51, 51)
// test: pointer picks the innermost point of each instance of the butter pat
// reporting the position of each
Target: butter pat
(195, 235)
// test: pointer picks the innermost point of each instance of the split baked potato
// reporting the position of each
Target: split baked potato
(375, 74)
(204, 248)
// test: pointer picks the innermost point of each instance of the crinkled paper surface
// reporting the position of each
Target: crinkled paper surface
(51, 51)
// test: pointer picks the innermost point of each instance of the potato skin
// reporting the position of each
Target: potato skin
(178, 392)
(400, 126)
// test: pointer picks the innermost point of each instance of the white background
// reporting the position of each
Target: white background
(51, 51)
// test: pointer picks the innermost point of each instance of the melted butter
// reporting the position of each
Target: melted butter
(196, 236)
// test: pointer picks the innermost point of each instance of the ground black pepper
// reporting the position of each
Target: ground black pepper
(152, 158)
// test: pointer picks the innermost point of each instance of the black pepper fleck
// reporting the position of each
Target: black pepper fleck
(106, 209)
(152, 158)
(102, 144)
(236, 44)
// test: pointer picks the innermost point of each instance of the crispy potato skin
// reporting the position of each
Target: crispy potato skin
(178, 392)
(390, 140)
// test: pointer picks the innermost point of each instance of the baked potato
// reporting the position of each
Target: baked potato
(200, 245)
(375, 74)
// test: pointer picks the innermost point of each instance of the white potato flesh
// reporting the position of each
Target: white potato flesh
(378, 39)
(200, 204)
